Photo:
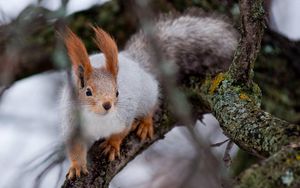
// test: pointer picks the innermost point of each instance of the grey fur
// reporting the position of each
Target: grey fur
(196, 41)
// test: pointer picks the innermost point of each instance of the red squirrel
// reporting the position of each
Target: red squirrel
(118, 91)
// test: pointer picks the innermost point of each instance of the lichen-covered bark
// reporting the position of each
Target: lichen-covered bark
(238, 111)
(280, 170)
(30, 32)
(235, 102)
(102, 171)
(235, 106)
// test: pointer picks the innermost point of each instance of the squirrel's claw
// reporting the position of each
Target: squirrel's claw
(145, 131)
(134, 125)
(76, 171)
(110, 149)
(145, 128)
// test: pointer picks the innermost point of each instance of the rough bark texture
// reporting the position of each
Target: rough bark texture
(19, 37)
(238, 112)
(101, 171)
(241, 69)
(279, 170)
(236, 105)
(235, 102)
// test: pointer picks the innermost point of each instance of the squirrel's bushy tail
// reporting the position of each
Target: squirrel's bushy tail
(198, 42)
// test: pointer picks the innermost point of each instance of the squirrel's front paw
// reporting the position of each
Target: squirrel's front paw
(145, 128)
(77, 170)
(111, 148)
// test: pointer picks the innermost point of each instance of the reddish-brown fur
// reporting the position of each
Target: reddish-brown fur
(77, 53)
(77, 155)
(112, 145)
(109, 48)
(145, 128)
(104, 90)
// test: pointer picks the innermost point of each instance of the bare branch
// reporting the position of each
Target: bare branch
(219, 143)
(226, 157)
(252, 27)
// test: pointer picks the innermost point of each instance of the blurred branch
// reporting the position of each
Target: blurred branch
(28, 42)
(290, 49)
(100, 176)
(101, 171)
(236, 107)
(226, 157)
(235, 99)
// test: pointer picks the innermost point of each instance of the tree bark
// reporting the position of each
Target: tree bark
(279, 170)
(235, 102)
(236, 105)
(102, 171)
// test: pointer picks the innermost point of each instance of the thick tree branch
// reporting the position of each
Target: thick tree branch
(235, 101)
(279, 170)
(237, 107)
(105, 173)
(252, 27)
(101, 171)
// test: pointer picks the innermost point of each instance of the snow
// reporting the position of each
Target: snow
(11, 9)
(29, 116)
(286, 17)
(29, 124)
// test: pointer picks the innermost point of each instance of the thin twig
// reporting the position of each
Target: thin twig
(219, 143)
(226, 157)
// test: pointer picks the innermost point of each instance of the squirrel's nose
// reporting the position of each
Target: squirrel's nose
(106, 105)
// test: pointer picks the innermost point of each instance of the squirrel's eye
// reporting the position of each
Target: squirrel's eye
(117, 93)
(88, 92)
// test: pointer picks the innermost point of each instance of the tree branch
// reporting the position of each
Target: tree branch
(236, 107)
(235, 101)
(101, 170)
(252, 27)
(279, 170)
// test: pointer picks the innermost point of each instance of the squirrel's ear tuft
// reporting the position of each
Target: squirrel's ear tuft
(78, 55)
(109, 48)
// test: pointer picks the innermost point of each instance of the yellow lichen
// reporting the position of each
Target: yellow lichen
(215, 83)
(298, 157)
(244, 96)
(289, 161)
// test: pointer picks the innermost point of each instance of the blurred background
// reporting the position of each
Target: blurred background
(29, 112)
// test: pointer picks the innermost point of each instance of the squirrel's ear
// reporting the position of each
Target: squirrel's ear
(109, 48)
(79, 56)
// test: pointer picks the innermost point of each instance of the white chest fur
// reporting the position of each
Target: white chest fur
(138, 96)
(101, 126)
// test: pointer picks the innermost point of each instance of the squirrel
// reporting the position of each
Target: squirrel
(119, 91)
